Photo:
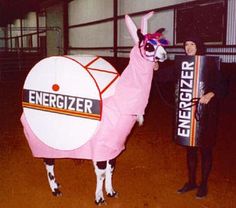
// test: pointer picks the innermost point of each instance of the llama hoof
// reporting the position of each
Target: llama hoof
(58, 184)
(100, 202)
(113, 194)
(56, 192)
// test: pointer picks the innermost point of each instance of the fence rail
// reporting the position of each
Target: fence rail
(15, 65)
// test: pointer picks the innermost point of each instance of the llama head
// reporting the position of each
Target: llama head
(150, 45)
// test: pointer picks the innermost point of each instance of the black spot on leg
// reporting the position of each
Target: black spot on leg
(49, 161)
(51, 177)
(57, 192)
(100, 202)
(113, 194)
(112, 163)
(102, 164)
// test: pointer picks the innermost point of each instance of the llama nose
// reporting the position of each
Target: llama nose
(162, 58)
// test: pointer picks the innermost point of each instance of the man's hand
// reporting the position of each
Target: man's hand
(156, 66)
(207, 97)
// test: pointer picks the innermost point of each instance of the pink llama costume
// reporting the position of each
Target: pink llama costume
(119, 114)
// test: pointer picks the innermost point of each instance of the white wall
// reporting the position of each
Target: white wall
(30, 20)
(154, 23)
(230, 34)
(2, 42)
(16, 31)
(82, 11)
(160, 19)
(54, 19)
(99, 35)
(30, 23)
(132, 6)
(1, 33)
(231, 20)
(16, 24)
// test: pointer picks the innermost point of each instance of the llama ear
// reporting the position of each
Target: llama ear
(131, 28)
(140, 36)
(144, 22)
(160, 30)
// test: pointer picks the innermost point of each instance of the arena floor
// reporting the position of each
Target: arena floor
(147, 174)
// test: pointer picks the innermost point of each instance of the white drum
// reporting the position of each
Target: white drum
(62, 98)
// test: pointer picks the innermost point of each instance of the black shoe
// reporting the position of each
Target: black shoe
(187, 187)
(202, 192)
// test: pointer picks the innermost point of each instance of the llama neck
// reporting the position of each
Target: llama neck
(132, 91)
(139, 63)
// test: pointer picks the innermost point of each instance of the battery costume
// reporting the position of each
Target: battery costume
(205, 117)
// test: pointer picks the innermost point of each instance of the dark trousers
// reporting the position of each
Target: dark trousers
(206, 163)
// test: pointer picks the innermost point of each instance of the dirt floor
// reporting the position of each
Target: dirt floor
(147, 174)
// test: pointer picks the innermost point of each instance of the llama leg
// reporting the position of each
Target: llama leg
(49, 164)
(108, 181)
(100, 170)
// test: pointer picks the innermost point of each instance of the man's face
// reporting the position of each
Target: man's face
(190, 48)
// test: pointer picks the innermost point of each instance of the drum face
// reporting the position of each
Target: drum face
(62, 101)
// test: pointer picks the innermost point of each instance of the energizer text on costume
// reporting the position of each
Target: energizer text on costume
(63, 104)
(185, 97)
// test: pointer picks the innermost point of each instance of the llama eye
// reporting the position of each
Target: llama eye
(149, 47)
(163, 41)
(152, 41)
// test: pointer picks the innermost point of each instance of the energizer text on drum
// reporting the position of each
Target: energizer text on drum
(61, 101)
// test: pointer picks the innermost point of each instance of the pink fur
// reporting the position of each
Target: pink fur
(118, 117)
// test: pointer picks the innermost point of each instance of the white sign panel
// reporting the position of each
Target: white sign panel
(62, 98)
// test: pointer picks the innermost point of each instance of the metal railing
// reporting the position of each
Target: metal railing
(15, 65)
